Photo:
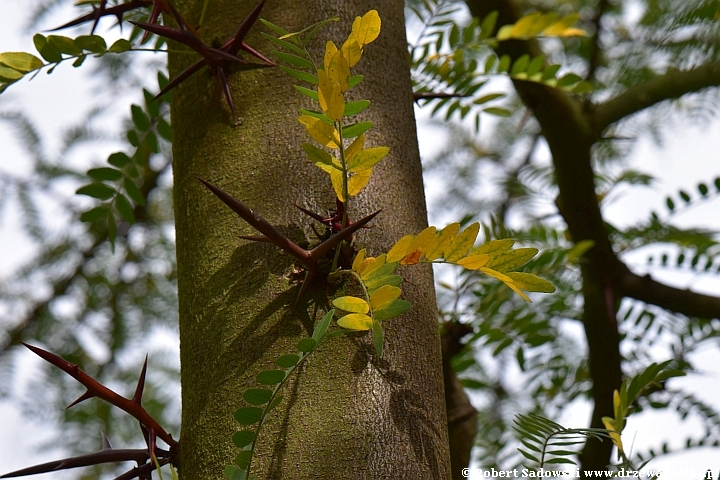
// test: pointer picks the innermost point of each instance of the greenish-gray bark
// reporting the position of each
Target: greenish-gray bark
(348, 414)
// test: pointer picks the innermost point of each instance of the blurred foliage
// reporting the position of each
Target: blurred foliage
(103, 307)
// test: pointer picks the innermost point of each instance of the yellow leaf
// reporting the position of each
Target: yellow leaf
(437, 247)
(367, 28)
(320, 131)
(358, 181)
(474, 262)
(364, 265)
(400, 249)
(557, 28)
(367, 158)
(412, 258)
(461, 244)
(512, 260)
(506, 280)
(356, 321)
(330, 51)
(331, 100)
(423, 239)
(352, 51)
(359, 258)
(531, 25)
(573, 32)
(339, 72)
(386, 293)
(376, 263)
(336, 177)
(351, 304)
(355, 147)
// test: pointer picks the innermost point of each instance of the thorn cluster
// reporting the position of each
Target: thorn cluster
(218, 60)
(145, 458)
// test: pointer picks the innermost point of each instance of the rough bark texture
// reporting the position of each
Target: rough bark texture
(348, 415)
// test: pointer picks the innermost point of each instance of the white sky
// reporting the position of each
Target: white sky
(689, 155)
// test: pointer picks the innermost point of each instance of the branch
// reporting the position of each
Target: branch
(595, 54)
(673, 84)
(686, 302)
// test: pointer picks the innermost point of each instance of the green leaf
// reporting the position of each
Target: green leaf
(320, 157)
(567, 80)
(354, 80)
(284, 44)
(270, 377)
(64, 45)
(378, 340)
(105, 173)
(234, 473)
(356, 130)
(497, 111)
(124, 208)
(92, 43)
(118, 159)
(391, 309)
(367, 158)
(512, 259)
(139, 117)
(120, 46)
(520, 65)
(353, 108)
(21, 61)
(97, 190)
(243, 458)
(306, 345)
(133, 191)
(530, 282)
(305, 77)
(377, 282)
(164, 129)
(243, 437)
(322, 326)
(47, 51)
(287, 361)
(10, 74)
(307, 92)
(488, 24)
(294, 60)
(248, 415)
(79, 61)
(133, 138)
(487, 98)
(504, 63)
(95, 214)
(257, 396)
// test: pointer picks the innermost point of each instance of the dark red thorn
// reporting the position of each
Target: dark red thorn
(257, 54)
(85, 396)
(255, 238)
(96, 389)
(235, 43)
(344, 234)
(221, 75)
(312, 214)
(137, 397)
(95, 15)
(142, 472)
(103, 456)
(181, 77)
(261, 225)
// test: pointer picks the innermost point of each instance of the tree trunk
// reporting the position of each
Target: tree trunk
(347, 414)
